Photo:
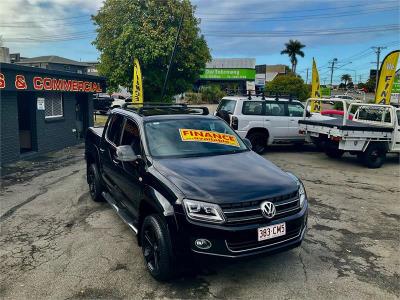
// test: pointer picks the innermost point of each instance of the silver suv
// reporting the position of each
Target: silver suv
(264, 121)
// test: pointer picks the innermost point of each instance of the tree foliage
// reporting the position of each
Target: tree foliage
(346, 78)
(128, 29)
(289, 84)
(292, 49)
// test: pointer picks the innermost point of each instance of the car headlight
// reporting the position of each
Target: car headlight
(203, 211)
(302, 191)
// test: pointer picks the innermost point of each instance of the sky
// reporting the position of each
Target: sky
(345, 30)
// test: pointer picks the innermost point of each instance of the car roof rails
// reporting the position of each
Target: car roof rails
(158, 109)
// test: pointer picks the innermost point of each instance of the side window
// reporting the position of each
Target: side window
(131, 136)
(274, 109)
(252, 108)
(228, 105)
(114, 129)
(295, 110)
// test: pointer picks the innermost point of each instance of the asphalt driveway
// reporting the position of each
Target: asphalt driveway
(57, 244)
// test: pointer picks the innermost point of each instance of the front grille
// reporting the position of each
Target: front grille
(250, 212)
(249, 243)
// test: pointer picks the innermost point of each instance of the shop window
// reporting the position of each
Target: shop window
(53, 104)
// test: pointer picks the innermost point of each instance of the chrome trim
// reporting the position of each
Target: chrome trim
(239, 211)
(265, 246)
(242, 219)
(213, 254)
(113, 204)
(287, 202)
(288, 210)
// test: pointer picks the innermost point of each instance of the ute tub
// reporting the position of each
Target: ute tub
(350, 125)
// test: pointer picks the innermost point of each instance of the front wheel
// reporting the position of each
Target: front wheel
(374, 156)
(258, 142)
(157, 248)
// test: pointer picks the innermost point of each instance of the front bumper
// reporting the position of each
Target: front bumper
(240, 241)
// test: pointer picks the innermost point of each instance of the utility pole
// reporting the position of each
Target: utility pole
(332, 66)
(307, 77)
(378, 54)
(172, 56)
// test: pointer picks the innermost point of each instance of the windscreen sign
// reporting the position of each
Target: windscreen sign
(205, 136)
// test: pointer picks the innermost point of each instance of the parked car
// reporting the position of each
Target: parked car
(121, 102)
(102, 103)
(264, 121)
(373, 131)
(187, 184)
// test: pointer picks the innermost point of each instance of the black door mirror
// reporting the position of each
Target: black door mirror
(126, 153)
(248, 143)
(308, 114)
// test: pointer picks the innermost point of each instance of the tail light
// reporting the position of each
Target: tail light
(302, 132)
(234, 122)
(336, 138)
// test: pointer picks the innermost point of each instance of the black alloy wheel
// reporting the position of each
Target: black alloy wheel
(157, 247)
(95, 186)
(374, 156)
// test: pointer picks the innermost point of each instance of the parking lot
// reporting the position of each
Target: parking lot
(57, 244)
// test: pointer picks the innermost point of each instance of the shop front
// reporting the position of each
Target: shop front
(43, 110)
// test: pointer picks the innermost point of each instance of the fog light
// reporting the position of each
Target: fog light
(203, 244)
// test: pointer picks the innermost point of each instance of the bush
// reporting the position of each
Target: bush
(289, 84)
(193, 98)
(211, 94)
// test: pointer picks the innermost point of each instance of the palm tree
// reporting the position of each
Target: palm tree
(346, 78)
(292, 49)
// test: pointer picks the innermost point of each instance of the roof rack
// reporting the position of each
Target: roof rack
(157, 109)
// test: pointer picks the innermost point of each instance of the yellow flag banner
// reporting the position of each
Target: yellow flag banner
(137, 91)
(315, 89)
(386, 78)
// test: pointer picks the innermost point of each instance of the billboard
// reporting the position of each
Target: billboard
(229, 74)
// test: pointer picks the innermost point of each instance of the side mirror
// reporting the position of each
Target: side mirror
(308, 114)
(248, 143)
(126, 153)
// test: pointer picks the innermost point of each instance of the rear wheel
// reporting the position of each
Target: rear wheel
(157, 248)
(94, 182)
(374, 156)
(334, 153)
(258, 142)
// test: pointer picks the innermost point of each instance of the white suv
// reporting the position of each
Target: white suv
(264, 121)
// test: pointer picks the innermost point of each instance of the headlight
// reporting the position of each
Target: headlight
(202, 211)
(302, 191)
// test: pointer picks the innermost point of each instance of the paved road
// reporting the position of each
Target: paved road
(57, 244)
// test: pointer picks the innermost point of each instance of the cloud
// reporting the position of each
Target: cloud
(21, 20)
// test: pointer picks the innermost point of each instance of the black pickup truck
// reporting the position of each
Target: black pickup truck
(187, 184)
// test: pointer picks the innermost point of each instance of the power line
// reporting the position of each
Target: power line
(296, 18)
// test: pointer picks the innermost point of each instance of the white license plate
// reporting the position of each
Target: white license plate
(270, 232)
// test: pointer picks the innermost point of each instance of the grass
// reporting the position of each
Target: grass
(99, 120)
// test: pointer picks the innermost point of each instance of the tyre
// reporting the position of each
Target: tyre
(94, 182)
(258, 142)
(334, 152)
(374, 156)
(157, 248)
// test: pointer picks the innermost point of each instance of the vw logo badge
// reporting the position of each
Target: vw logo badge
(268, 209)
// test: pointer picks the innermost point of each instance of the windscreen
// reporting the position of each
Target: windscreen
(185, 138)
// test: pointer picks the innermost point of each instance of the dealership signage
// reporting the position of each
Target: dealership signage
(34, 82)
(229, 74)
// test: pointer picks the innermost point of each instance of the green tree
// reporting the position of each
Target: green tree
(346, 78)
(292, 49)
(146, 30)
(289, 84)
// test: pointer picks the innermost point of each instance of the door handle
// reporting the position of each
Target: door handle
(102, 150)
(116, 162)
(267, 120)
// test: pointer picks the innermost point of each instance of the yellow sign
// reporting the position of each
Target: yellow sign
(137, 91)
(386, 78)
(195, 135)
(315, 89)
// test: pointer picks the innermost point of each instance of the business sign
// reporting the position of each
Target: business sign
(205, 136)
(19, 80)
(229, 74)
(40, 104)
(396, 84)
(260, 79)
